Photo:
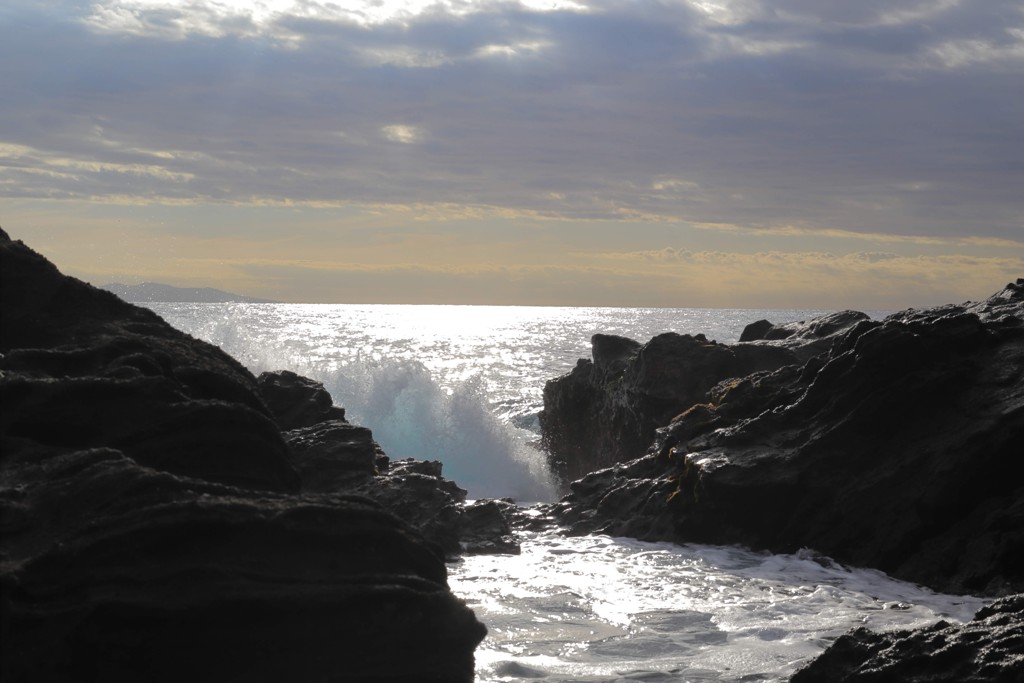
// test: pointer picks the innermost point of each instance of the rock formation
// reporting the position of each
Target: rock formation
(887, 450)
(887, 444)
(607, 409)
(989, 649)
(157, 524)
(892, 444)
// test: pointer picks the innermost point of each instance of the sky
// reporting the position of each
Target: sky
(683, 153)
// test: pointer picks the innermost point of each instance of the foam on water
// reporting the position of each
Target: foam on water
(597, 609)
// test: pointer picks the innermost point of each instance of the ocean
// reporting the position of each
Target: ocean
(463, 385)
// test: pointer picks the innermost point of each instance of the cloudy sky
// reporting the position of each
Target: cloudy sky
(743, 153)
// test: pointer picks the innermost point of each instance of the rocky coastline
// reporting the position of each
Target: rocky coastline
(884, 444)
(167, 516)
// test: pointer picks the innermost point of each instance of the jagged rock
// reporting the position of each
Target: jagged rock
(607, 410)
(333, 456)
(611, 353)
(486, 528)
(890, 450)
(297, 401)
(415, 491)
(153, 524)
(84, 369)
(757, 330)
(989, 649)
(805, 338)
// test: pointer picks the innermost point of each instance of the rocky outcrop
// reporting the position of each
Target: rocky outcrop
(158, 525)
(607, 409)
(989, 649)
(889, 444)
(806, 338)
(335, 456)
(296, 401)
(890, 450)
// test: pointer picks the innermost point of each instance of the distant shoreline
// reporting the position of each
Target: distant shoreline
(156, 292)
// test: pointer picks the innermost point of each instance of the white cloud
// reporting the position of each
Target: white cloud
(401, 133)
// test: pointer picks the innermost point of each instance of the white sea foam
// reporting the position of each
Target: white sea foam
(596, 608)
(413, 416)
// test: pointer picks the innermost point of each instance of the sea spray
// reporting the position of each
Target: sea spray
(429, 413)
(412, 416)
(459, 384)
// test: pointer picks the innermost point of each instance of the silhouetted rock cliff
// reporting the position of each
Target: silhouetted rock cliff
(158, 525)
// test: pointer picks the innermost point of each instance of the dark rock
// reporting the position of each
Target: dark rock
(426, 501)
(890, 450)
(153, 522)
(486, 528)
(84, 369)
(426, 468)
(756, 330)
(989, 649)
(805, 338)
(297, 401)
(607, 410)
(611, 353)
(333, 456)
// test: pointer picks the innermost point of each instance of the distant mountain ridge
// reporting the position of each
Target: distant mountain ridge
(150, 292)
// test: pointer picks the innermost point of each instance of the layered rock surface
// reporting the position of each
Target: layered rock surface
(887, 444)
(607, 409)
(989, 649)
(157, 523)
(887, 450)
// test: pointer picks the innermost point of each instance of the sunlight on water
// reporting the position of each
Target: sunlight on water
(459, 384)
(596, 608)
(462, 384)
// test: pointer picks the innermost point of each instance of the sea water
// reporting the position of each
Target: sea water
(463, 385)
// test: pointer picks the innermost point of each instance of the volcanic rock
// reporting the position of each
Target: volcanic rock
(989, 649)
(806, 338)
(297, 401)
(606, 410)
(156, 525)
(890, 450)
(486, 528)
(890, 445)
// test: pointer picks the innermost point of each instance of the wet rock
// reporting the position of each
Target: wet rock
(611, 353)
(486, 528)
(415, 491)
(607, 409)
(156, 525)
(333, 456)
(889, 450)
(757, 330)
(297, 401)
(805, 338)
(989, 649)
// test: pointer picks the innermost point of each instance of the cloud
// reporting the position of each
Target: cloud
(400, 133)
(871, 118)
